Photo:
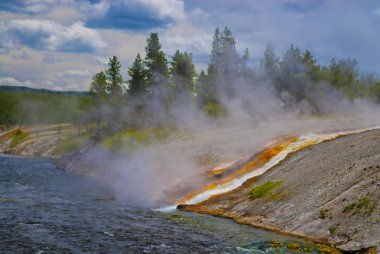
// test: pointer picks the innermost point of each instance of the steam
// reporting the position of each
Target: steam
(256, 113)
(164, 172)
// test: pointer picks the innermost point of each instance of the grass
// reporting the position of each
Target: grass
(18, 138)
(323, 214)
(263, 189)
(364, 206)
(69, 145)
(130, 140)
(215, 110)
(333, 230)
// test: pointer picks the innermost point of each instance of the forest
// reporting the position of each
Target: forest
(161, 91)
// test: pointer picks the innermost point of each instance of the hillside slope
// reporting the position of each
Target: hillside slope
(327, 192)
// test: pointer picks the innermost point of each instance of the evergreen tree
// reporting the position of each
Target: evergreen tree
(115, 83)
(343, 76)
(137, 73)
(293, 80)
(156, 64)
(202, 89)
(214, 65)
(114, 77)
(270, 63)
(230, 64)
(245, 57)
(312, 69)
(182, 72)
(98, 91)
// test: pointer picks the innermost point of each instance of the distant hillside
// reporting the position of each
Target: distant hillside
(41, 90)
(25, 105)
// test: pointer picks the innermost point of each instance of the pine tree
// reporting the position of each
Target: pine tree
(182, 72)
(115, 83)
(216, 52)
(114, 77)
(98, 91)
(230, 64)
(156, 64)
(245, 57)
(270, 62)
(202, 89)
(137, 72)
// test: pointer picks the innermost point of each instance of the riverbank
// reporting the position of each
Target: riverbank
(39, 141)
(328, 192)
(314, 195)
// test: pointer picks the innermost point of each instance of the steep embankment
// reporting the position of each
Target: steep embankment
(35, 141)
(329, 192)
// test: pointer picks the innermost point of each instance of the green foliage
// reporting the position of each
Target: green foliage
(215, 109)
(130, 140)
(38, 107)
(156, 64)
(18, 138)
(138, 74)
(323, 214)
(333, 230)
(263, 189)
(374, 91)
(98, 87)
(70, 145)
(364, 206)
(182, 72)
(114, 78)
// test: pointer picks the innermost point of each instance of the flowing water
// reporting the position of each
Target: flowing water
(45, 210)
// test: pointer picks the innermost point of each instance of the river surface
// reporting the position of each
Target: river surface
(45, 210)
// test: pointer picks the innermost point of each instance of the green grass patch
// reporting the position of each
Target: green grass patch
(70, 145)
(333, 230)
(130, 140)
(263, 189)
(323, 214)
(364, 206)
(19, 137)
(215, 110)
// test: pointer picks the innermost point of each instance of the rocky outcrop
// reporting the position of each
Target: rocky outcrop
(34, 141)
(328, 192)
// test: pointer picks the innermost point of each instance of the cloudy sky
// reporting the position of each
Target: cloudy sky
(60, 44)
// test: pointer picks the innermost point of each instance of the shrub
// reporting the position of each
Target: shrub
(333, 230)
(18, 138)
(323, 214)
(363, 206)
(264, 188)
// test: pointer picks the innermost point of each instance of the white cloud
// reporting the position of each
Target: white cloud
(10, 81)
(49, 35)
(101, 60)
(173, 9)
(94, 10)
(74, 74)
(377, 11)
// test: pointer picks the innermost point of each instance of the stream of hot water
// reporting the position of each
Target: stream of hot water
(231, 175)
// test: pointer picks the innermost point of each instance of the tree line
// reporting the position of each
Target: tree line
(156, 84)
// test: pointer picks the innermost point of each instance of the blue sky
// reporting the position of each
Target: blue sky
(60, 44)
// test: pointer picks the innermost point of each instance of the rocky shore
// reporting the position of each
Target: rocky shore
(329, 192)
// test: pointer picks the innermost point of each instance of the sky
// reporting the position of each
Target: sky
(61, 44)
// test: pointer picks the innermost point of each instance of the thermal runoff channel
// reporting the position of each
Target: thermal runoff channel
(231, 175)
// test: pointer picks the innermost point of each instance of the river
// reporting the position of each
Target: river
(45, 210)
